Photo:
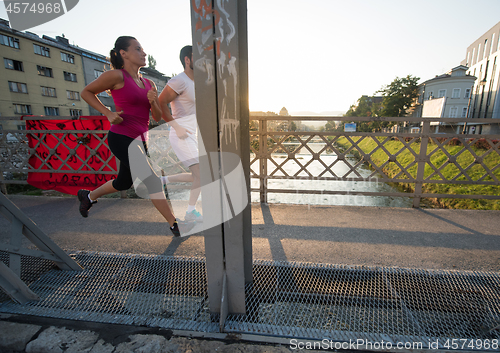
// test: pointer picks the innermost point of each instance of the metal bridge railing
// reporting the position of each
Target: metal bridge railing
(15, 152)
(420, 158)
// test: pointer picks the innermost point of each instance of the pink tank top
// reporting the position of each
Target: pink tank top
(134, 102)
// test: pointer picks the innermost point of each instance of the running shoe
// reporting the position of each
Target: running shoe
(193, 216)
(85, 203)
(175, 229)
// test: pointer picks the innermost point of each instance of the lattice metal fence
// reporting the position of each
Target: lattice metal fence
(398, 156)
(15, 152)
(393, 155)
(330, 303)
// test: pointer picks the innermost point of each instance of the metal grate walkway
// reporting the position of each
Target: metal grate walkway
(288, 300)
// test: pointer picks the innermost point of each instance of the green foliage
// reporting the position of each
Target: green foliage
(330, 126)
(254, 125)
(365, 107)
(399, 96)
(23, 189)
(152, 62)
(438, 166)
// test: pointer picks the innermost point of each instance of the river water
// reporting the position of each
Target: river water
(316, 168)
(340, 169)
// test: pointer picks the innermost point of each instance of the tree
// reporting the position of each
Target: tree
(151, 62)
(254, 125)
(330, 126)
(365, 107)
(396, 100)
(398, 96)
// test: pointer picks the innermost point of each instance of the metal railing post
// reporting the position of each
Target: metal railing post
(263, 159)
(422, 161)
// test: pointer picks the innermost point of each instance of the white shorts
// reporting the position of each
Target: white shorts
(186, 149)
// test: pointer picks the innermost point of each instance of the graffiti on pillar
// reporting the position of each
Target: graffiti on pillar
(216, 33)
(205, 65)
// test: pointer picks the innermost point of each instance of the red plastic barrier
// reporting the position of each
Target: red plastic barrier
(69, 153)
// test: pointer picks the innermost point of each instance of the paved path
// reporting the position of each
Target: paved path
(373, 236)
(410, 238)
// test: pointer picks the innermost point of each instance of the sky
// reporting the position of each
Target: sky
(308, 56)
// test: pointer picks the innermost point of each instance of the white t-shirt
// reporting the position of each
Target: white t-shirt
(184, 104)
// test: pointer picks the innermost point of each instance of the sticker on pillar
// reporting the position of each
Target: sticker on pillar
(29, 13)
(180, 170)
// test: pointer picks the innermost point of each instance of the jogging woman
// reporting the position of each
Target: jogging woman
(134, 98)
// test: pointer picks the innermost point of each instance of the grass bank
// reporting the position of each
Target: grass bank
(449, 171)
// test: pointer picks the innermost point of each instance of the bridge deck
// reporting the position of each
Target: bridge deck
(341, 273)
(294, 300)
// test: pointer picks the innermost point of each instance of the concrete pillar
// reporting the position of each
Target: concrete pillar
(219, 30)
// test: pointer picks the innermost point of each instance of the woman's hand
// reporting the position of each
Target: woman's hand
(114, 117)
(109, 80)
(152, 95)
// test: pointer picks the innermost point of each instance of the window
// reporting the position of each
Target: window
(453, 112)
(43, 51)
(22, 109)
(97, 73)
(51, 111)
(21, 127)
(68, 58)
(442, 93)
(456, 93)
(48, 92)
(9, 41)
(431, 95)
(44, 71)
(73, 95)
(13, 64)
(485, 45)
(467, 93)
(68, 76)
(18, 87)
(464, 112)
(473, 55)
(75, 112)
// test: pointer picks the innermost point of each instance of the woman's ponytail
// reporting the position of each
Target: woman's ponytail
(122, 43)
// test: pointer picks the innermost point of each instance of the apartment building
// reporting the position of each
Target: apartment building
(93, 66)
(45, 75)
(39, 77)
(482, 59)
(446, 96)
(157, 77)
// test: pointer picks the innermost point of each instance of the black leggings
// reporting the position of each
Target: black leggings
(119, 146)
